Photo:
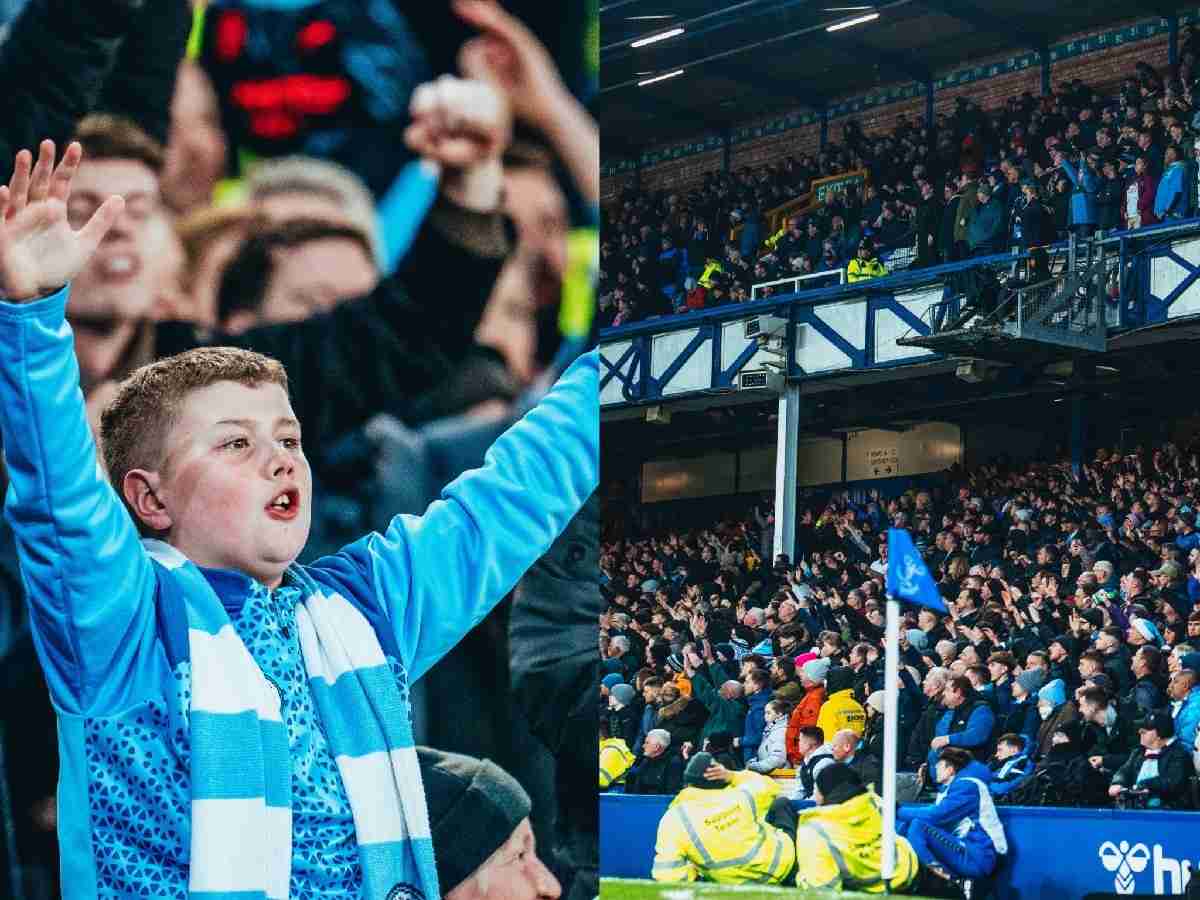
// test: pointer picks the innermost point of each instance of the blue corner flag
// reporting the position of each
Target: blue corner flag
(907, 577)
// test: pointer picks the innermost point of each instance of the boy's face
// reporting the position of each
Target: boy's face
(233, 452)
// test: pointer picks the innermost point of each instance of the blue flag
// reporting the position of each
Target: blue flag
(907, 577)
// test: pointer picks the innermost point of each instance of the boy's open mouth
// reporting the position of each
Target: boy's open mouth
(285, 506)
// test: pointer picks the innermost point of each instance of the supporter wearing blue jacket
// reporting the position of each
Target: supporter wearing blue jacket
(960, 833)
(967, 722)
(1170, 201)
(1185, 706)
(1011, 765)
(1082, 176)
(758, 694)
(986, 231)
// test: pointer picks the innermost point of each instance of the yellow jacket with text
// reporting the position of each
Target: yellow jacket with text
(722, 835)
(615, 760)
(841, 711)
(839, 847)
(861, 270)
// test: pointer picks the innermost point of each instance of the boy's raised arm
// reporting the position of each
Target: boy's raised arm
(436, 576)
(89, 583)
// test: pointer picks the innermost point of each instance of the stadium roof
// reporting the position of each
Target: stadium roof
(750, 58)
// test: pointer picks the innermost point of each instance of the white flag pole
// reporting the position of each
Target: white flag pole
(891, 703)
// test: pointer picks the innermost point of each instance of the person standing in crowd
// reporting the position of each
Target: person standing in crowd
(1082, 176)
(928, 227)
(1140, 195)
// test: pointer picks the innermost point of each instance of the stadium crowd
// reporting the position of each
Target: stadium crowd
(978, 182)
(415, 310)
(1068, 662)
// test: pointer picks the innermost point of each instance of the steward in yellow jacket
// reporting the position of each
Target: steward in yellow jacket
(866, 265)
(840, 710)
(839, 844)
(718, 829)
(615, 760)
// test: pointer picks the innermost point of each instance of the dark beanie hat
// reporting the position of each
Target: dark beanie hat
(474, 807)
(839, 679)
(838, 783)
(693, 775)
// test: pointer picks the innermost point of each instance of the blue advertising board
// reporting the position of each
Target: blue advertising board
(1054, 853)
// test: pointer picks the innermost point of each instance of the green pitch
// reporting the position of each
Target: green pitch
(634, 889)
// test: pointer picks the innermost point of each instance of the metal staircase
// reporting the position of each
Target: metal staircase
(1004, 317)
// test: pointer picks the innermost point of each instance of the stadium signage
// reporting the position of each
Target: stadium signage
(1126, 861)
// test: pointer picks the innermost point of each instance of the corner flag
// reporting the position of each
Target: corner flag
(907, 577)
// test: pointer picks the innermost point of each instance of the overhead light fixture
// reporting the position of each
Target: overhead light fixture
(663, 77)
(850, 23)
(655, 38)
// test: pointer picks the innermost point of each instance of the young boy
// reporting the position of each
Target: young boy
(232, 724)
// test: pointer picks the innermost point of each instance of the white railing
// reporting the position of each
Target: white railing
(839, 274)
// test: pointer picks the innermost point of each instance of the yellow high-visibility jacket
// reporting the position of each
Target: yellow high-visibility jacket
(840, 711)
(722, 835)
(615, 760)
(861, 271)
(840, 847)
(710, 266)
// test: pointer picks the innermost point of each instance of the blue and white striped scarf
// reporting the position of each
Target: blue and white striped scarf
(241, 774)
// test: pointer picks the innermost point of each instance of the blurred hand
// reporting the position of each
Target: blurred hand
(39, 251)
(508, 55)
(716, 772)
(465, 126)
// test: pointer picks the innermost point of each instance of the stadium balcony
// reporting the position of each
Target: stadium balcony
(1120, 290)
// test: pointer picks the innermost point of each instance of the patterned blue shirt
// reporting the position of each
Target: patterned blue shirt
(324, 851)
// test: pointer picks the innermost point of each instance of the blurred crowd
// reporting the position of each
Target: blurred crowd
(1023, 175)
(1067, 664)
(268, 159)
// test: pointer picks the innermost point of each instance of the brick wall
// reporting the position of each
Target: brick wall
(682, 174)
(611, 187)
(1103, 70)
(797, 141)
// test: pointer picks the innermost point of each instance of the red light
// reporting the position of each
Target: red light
(231, 35)
(315, 35)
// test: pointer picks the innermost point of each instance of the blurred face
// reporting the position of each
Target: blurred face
(235, 487)
(514, 872)
(944, 772)
(538, 209)
(311, 279)
(118, 281)
(952, 698)
(652, 748)
(1178, 687)
(195, 157)
(509, 323)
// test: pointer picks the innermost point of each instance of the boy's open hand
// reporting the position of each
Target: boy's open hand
(39, 251)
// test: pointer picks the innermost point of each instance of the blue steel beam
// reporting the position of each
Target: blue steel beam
(986, 21)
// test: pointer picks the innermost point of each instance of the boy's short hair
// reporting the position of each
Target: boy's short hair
(134, 426)
(244, 283)
(104, 136)
(813, 733)
(1011, 740)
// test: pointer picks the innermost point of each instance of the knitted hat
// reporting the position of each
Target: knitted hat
(1031, 681)
(1147, 629)
(917, 639)
(675, 661)
(875, 701)
(611, 680)
(623, 693)
(1054, 693)
(1160, 722)
(838, 783)
(803, 658)
(474, 807)
(839, 679)
(816, 670)
(693, 775)
(1190, 661)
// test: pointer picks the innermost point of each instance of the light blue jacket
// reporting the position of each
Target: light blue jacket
(1187, 720)
(114, 646)
(1169, 199)
(1083, 197)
